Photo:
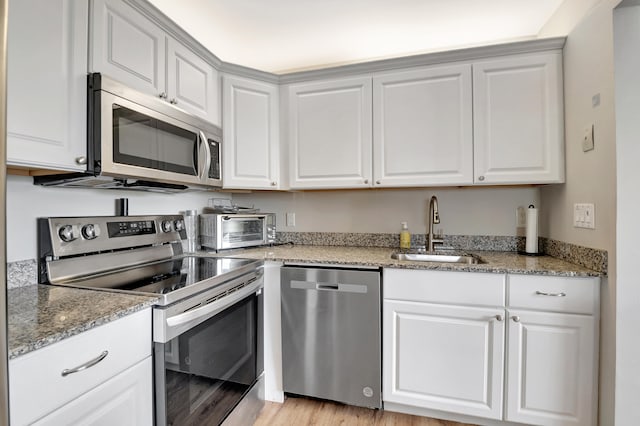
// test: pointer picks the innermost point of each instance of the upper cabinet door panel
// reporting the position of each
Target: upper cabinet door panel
(518, 121)
(128, 47)
(192, 83)
(423, 127)
(330, 134)
(251, 130)
(47, 84)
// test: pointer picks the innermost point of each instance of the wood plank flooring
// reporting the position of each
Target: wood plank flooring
(304, 411)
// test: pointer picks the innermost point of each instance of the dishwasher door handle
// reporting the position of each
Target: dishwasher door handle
(339, 287)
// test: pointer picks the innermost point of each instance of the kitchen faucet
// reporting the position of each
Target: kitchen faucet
(433, 218)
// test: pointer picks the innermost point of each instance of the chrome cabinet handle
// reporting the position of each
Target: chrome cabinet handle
(173, 101)
(480, 178)
(163, 95)
(274, 183)
(81, 160)
(515, 318)
(378, 182)
(542, 293)
(86, 365)
(499, 317)
(366, 181)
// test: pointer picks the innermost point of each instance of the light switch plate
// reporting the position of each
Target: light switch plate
(584, 216)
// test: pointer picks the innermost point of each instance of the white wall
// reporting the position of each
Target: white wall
(463, 211)
(26, 202)
(627, 80)
(590, 176)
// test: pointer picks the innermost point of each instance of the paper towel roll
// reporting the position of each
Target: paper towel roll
(532, 230)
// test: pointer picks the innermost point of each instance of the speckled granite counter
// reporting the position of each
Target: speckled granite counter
(39, 315)
(495, 261)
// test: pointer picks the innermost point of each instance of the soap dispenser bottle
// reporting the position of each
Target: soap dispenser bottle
(405, 237)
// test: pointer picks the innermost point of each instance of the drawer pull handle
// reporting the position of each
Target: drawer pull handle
(499, 317)
(542, 293)
(515, 318)
(86, 365)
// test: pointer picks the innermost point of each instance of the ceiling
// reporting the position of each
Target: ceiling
(281, 36)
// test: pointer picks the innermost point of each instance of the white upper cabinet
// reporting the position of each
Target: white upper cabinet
(47, 84)
(422, 127)
(129, 47)
(330, 134)
(192, 83)
(251, 134)
(518, 119)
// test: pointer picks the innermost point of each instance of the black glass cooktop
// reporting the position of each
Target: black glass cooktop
(173, 279)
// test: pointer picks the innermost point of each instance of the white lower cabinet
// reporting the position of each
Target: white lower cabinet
(513, 348)
(123, 400)
(550, 368)
(444, 357)
(114, 388)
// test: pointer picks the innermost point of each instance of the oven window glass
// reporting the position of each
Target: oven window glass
(144, 141)
(209, 368)
(237, 230)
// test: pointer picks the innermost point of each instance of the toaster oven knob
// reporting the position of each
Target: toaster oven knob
(179, 225)
(90, 231)
(68, 233)
(167, 226)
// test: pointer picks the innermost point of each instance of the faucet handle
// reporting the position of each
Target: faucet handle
(436, 217)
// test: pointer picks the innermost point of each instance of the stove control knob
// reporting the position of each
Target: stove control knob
(68, 233)
(167, 226)
(90, 231)
(179, 225)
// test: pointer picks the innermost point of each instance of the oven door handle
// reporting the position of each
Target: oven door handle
(215, 306)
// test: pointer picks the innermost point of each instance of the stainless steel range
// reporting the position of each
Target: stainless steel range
(207, 323)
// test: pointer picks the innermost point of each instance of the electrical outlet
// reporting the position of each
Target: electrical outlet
(291, 220)
(587, 140)
(521, 217)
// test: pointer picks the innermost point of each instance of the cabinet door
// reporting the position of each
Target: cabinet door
(47, 84)
(550, 368)
(126, 399)
(518, 121)
(443, 357)
(423, 133)
(128, 47)
(250, 122)
(192, 82)
(330, 134)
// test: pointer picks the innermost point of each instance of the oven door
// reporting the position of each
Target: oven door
(207, 365)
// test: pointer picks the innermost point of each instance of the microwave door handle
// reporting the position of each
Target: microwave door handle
(207, 157)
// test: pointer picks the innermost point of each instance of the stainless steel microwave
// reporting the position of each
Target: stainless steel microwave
(138, 141)
(229, 231)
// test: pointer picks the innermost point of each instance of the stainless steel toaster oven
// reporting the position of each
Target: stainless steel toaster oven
(228, 231)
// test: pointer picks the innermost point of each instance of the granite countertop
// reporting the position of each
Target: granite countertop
(495, 261)
(39, 315)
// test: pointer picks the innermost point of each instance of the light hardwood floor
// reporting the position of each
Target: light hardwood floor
(304, 411)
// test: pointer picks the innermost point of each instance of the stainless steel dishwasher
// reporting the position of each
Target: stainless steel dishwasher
(331, 334)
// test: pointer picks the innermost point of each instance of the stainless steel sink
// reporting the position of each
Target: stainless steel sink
(467, 259)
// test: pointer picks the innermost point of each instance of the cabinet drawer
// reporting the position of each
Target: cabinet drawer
(560, 294)
(37, 386)
(458, 288)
